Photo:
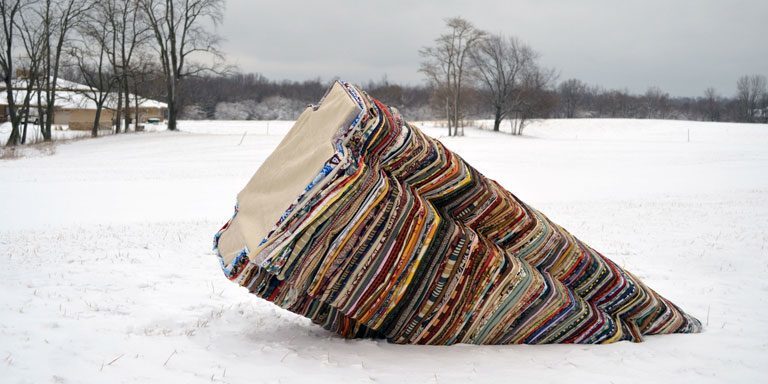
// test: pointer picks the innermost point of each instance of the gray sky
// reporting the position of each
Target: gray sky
(682, 46)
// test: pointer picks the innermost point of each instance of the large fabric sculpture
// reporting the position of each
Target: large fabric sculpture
(370, 228)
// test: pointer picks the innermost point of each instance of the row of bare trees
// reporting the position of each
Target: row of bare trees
(119, 49)
(577, 99)
(111, 58)
(244, 96)
(501, 69)
(749, 104)
(42, 27)
(467, 63)
(253, 96)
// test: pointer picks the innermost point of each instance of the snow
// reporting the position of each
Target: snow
(81, 99)
(71, 95)
(20, 83)
(59, 133)
(107, 273)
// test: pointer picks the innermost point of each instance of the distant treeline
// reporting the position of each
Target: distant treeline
(749, 104)
(254, 97)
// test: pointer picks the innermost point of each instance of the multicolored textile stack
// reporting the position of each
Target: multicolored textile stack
(370, 228)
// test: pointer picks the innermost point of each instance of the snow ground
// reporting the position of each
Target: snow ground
(107, 273)
(59, 133)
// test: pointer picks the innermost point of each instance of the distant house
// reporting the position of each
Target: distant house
(74, 109)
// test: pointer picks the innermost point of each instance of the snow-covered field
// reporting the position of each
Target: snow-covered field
(107, 273)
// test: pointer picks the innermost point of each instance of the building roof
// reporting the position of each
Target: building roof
(71, 95)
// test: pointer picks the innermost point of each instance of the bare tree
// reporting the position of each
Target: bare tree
(59, 19)
(571, 93)
(92, 60)
(143, 73)
(656, 103)
(536, 99)
(515, 85)
(32, 39)
(9, 12)
(180, 34)
(750, 92)
(498, 65)
(131, 34)
(445, 66)
(711, 104)
(745, 97)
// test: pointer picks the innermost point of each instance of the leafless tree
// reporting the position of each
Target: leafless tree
(130, 33)
(499, 65)
(515, 85)
(180, 36)
(656, 103)
(445, 66)
(711, 104)
(59, 19)
(750, 91)
(571, 94)
(536, 98)
(92, 60)
(32, 40)
(9, 12)
(144, 72)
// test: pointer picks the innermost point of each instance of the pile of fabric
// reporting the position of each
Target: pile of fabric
(362, 223)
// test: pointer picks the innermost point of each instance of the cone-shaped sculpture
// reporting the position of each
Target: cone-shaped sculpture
(370, 228)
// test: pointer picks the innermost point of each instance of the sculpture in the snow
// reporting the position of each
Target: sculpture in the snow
(370, 228)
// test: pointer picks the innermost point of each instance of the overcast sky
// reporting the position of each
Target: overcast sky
(682, 46)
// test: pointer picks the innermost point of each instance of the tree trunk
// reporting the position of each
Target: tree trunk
(137, 120)
(46, 129)
(521, 125)
(96, 120)
(172, 111)
(455, 115)
(51, 101)
(13, 139)
(49, 114)
(172, 115)
(24, 130)
(119, 109)
(127, 107)
(41, 116)
(497, 120)
(448, 116)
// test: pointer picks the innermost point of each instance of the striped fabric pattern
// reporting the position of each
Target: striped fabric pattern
(406, 241)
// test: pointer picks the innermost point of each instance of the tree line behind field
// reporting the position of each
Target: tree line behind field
(254, 97)
(121, 52)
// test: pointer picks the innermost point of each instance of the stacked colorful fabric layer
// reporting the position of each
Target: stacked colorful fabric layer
(392, 235)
